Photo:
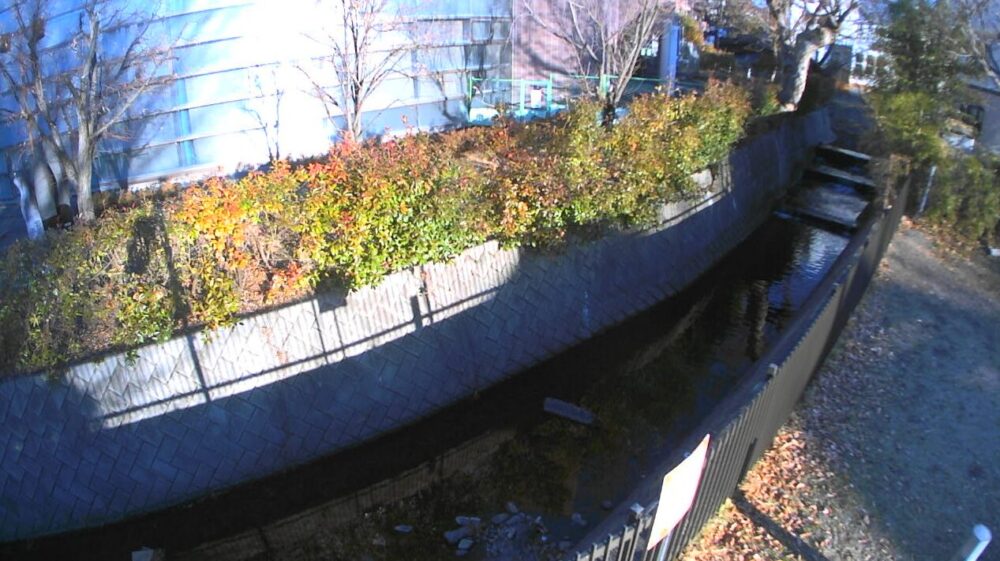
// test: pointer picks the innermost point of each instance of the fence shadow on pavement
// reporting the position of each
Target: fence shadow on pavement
(794, 543)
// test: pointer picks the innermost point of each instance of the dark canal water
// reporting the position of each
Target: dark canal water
(650, 397)
(649, 382)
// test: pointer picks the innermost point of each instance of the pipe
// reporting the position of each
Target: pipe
(975, 545)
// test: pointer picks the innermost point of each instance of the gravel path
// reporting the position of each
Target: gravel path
(894, 452)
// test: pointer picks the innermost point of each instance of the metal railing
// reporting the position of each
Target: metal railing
(526, 99)
(744, 425)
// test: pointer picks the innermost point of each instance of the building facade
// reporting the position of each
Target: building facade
(245, 83)
(253, 80)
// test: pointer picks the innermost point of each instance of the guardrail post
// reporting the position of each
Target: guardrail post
(469, 96)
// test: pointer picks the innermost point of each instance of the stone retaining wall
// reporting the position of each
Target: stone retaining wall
(202, 412)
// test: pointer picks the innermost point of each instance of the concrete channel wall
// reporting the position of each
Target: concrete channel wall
(202, 412)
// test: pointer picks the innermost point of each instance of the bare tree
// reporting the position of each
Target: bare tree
(73, 95)
(802, 27)
(978, 23)
(739, 16)
(267, 92)
(365, 41)
(607, 38)
(30, 167)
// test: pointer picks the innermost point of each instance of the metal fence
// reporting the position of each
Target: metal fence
(531, 99)
(745, 424)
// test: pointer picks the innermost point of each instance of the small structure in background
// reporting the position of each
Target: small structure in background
(983, 115)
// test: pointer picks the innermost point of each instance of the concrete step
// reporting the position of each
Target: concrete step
(845, 152)
(820, 219)
(843, 175)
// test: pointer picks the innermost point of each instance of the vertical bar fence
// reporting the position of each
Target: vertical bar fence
(744, 425)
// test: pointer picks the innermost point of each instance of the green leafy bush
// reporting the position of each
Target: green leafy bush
(77, 292)
(916, 103)
(718, 117)
(911, 123)
(965, 194)
(692, 30)
(159, 263)
(381, 208)
(966, 197)
(764, 98)
(714, 61)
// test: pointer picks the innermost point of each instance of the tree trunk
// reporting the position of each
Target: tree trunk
(84, 194)
(43, 184)
(29, 207)
(354, 124)
(64, 195)
(84, 175)
(608, 113)
(795, 64)
(65, 200)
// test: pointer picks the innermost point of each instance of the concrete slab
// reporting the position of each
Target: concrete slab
(843, 175)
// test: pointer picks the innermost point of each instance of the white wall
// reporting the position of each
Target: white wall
(231, 59)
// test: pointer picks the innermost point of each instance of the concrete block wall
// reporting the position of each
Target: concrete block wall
(203, 412)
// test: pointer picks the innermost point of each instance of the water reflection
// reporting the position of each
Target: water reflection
(651, 402)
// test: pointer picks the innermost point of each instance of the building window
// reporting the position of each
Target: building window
(501, 29)
(478, 30)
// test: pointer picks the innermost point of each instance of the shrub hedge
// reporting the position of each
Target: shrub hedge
(174, 259)
(965, 192)
(965, 198)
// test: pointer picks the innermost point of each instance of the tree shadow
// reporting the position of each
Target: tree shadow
(148, 238)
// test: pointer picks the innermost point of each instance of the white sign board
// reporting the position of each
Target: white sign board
(677, 494)
(536, 97)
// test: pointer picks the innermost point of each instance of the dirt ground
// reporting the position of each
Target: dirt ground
(894, 452)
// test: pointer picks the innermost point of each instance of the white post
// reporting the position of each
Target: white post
(45, 191)
(927, 191)
(975, 545)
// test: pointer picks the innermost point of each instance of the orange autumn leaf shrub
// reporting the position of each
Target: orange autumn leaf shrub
(385, 207)
(167, 261)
